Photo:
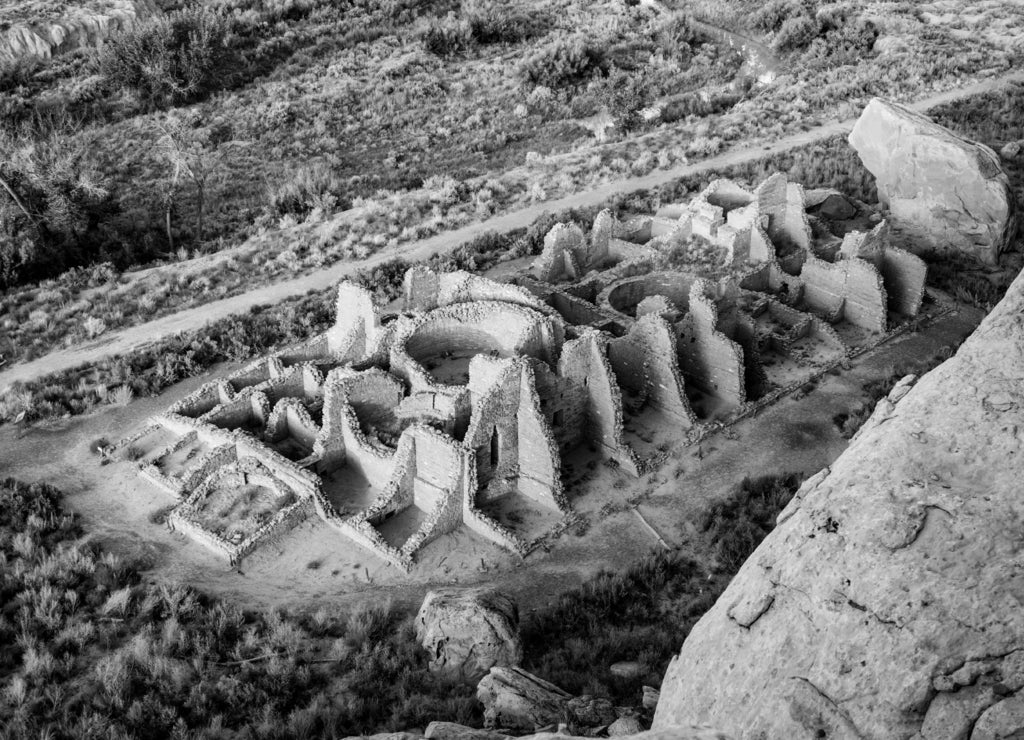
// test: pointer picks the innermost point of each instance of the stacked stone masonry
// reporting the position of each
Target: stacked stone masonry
(463, 404)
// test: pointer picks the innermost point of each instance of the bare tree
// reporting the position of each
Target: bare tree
(51, 193)
(194, 154)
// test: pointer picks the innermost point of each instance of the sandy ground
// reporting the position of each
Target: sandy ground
(312, 564)
(130, 338)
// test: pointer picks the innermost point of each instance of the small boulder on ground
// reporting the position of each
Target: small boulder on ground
(468, 631)
(627, 669)
(625, 726)
(829, 204)
(651, 696)
(1010, 150)
(519, 700)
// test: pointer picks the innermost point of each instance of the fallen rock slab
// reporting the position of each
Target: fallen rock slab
(675, 732)
(468, 631)
(887, 602)
(519, 700)
(454, 731)
(945, 194)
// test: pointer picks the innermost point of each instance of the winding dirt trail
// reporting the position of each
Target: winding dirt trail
(133, 337)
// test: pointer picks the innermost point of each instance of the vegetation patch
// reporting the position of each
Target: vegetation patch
(128, 658)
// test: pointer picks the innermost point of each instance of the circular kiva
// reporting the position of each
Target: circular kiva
(436, 349)
(624, 295)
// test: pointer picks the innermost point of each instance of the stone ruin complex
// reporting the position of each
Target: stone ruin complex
(396, 428)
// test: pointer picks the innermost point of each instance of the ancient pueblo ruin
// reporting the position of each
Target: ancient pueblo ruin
(398, 428)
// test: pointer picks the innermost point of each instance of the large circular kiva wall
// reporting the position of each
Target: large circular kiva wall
(624, 295)
(437, 348)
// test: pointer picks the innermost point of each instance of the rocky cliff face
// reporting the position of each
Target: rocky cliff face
(888, 601)
(947, 194)
(80, 28)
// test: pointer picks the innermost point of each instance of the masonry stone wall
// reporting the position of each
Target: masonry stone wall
(586, 361)
(540, 462)
(824, 287)
(708, 358)
(903, 275)
(624, 295)
(357, 330)
(547, 367)
(646, 360)
(866, 299)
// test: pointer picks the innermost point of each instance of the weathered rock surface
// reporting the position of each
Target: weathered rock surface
(625, 727)
(651, 697)
(591, 711)
(468, 631)
(516, 699)
(946, 194)
(627, 669)
(454, 731)
(82, 27)
(830, 204)
(888, 601)
(673, 732)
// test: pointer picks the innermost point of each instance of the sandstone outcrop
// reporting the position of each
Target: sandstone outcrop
(468, 631)
(81, 28)
(887, 602)
(944, 193)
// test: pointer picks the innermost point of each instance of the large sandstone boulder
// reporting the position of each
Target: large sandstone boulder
(889, 601)
(945, 194)
(467, 631)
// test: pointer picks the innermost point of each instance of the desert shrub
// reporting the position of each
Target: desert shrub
(170, 59)
(563, 62)
(17, 72)
(968, 280)
(312, 186)
(446, 37)
(642, 612)
(626, 95)
(770, 16)
(479, 22)
(841, 39)
(645, 611)
(54, 202)
(677, 36)
(493, 22)
(795, 33)
(736, 526)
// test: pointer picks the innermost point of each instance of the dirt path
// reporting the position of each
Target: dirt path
(130, 338)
